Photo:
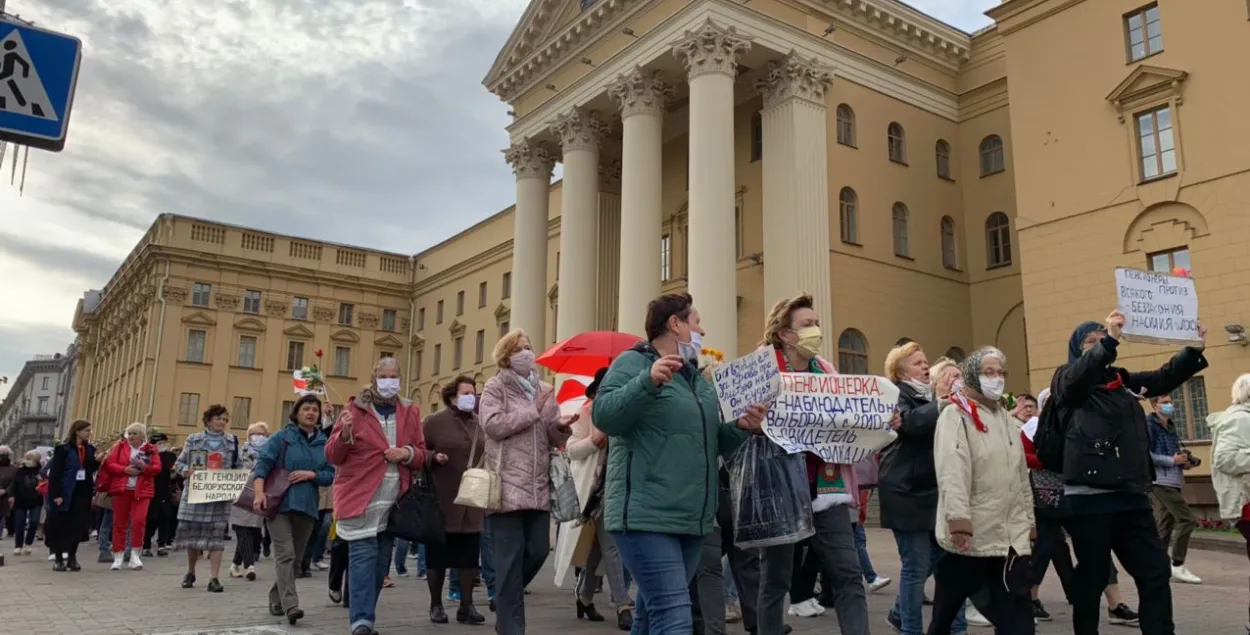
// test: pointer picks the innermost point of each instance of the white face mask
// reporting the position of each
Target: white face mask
(257, 440)
(692, 349)
(992, 387)
(523, 362)
(465, 403)
(388, 387)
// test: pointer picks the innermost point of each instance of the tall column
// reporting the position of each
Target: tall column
(580, 133)
(642, 97)
(532, 163)
(710, 54)
(796, 183)
(609, 257)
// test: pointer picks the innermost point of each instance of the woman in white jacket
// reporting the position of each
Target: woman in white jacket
(1230, 459)
(588, 453)
(985, 505)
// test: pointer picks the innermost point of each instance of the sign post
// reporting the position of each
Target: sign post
(38, 76)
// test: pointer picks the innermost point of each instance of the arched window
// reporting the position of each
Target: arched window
(950, 258)
(998, 240)
(846, 125)
(757, 137)
(897, 140)
(900, 231)
(848, 215)
(852, 353)
(993, 159)
(943, 151)
(955, 353)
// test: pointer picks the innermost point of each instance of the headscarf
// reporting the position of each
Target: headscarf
(971, 366)
(1078, 337)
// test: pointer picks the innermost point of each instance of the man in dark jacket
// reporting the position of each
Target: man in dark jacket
(163, 507)
(1107, 470)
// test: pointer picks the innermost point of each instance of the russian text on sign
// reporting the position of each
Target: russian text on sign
(215, 486)
(746, 381)
(840, 418)
(1158, 308)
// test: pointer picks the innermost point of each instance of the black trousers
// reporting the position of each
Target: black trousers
(161, 516)
(1134, 538)
(1051, 548)
(338, 566)
(957, 578)
(247, 546)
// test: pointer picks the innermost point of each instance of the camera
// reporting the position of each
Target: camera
(1193, 460)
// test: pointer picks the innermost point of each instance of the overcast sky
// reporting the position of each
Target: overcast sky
(357, 121)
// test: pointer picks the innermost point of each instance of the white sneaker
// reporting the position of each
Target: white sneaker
(250, 574)
(236, 571)
(878, 583)
(17, 551)
(135, 562)
(117, 561)
(51, 557)
(974, 617)
(320, 566)
(807, 608)
(25, 551)
(1183, 574)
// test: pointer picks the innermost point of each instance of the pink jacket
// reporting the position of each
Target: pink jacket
(519, 437)
(360, 464)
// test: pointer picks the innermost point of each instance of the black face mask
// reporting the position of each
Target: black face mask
(5, 460)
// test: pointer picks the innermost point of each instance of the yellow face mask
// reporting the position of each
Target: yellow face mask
(810, 341)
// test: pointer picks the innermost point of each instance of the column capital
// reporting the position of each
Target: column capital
(530, 160)
(580, 129)
(638, 92)
(711, 49)
(794, 77)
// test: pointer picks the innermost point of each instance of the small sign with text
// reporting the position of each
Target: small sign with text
(216, 486)
(746, 381)
(1158, 308)
(840, 418)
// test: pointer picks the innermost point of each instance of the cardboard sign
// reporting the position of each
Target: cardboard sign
(840, 418)
(215, 486)
(1158, 308)
(746, 381)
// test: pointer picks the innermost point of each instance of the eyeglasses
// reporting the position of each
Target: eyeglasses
(994, 373)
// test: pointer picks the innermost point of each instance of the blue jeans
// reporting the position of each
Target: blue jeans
(368, 562)
(919, 552)
(731, 589)
(321, 533)
(861, 546)
(662, 565)
(25, 526)
(104, 537)
(402, 547)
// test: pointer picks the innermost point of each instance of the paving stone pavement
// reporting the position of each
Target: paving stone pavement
(34, 600)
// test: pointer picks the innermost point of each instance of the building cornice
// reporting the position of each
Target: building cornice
(244, 265)
(899, 24)
(1013, 15)
(481, 260)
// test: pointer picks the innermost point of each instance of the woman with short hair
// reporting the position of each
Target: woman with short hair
(246, 524)
(522, 423)
(130, 471)
(202, 526)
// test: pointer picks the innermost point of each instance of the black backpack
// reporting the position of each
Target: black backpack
(1051, 435)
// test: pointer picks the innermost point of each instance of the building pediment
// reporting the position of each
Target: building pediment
(345, 335)
(199, 318)
(250, 324)
(457, 328)
(502, 313)
(1147, 86)
(299, 330)
(417, 342)
(389, 341)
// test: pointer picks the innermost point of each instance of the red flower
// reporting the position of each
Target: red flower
(317, 353)
(1180, 271)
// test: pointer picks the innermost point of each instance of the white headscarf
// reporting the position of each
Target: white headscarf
(1030, 427)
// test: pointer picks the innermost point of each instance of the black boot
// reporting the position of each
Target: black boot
(73, 563)
(467, 614)
(437, 614)
(188, 580)
(60, 564)
(588, 612)
(625, 619)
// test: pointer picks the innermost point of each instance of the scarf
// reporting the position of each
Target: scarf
(369, 396)
(923, 389)
(969, 408)
(1079, 334)
(529, 385)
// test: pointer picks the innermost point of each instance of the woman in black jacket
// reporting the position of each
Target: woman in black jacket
(907, 481)
(71, 483)
(1107, 469)
(27, 501)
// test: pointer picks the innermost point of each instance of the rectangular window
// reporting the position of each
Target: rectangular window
(195, 345)
(388, 319)
(460, 303)
(480, 345)
(1143, 32)
(241, 414)
(438, 312)
(438, 359)
(385, 354)
(342, 361)
(420, 363)
(345, 314)
(294, 355)
(287, 407)
(1166, 261)
(481, 295)
(45, 382)
(457, 351)
(188, 409)
(43, 405)
(1191, 410)
(251, 302)
(666, 257)
(504, 327)
(505, 285)
(1156, 144)
(299, 308)
(740, 248)
(247, 351)
(421, 319)
(200, 293)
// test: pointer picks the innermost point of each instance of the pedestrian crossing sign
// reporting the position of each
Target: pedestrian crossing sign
(38, 74)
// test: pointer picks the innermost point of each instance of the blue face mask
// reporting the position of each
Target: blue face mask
(692, 349)
(1167, 409)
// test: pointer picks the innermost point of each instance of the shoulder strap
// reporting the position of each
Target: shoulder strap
(234, 461)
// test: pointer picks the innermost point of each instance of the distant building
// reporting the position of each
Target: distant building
(34, 411)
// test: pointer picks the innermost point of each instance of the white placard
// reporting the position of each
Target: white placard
(746, 381)
(1157, 307)
(840, 418)
(215, 486)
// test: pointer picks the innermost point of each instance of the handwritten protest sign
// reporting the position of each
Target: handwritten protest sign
(1158, 308)
(840, 418)
(747, 381)
(215, 486)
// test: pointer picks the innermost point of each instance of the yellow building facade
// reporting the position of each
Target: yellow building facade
(956, 189)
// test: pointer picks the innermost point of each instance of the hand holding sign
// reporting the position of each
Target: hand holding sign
(753, 419)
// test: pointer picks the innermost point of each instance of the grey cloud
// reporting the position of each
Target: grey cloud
(88, 267)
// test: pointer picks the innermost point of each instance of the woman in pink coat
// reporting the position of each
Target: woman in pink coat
(522, 423)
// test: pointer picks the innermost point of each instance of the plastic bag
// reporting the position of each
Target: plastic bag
(772, 501)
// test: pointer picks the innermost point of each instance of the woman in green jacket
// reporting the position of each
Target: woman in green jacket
(666, 436)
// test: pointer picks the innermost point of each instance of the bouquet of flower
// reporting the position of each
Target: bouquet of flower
(309, 379)
(709, 360)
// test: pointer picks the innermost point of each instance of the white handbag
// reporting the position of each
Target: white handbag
(480, 488)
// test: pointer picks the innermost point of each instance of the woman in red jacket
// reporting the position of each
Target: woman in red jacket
(129, 477)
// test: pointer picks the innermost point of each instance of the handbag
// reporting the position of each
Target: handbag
(564, 504)
(480, 488)
(276, 485)
(416, 516)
